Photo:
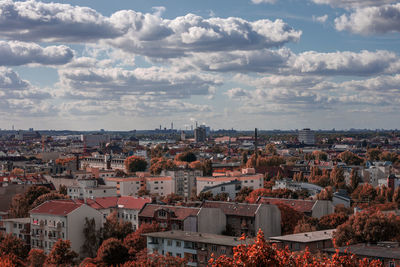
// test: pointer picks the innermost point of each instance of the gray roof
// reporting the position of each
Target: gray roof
(367, 250)
(18, 220)
(306, 237)
(208, 188)
(201, 238)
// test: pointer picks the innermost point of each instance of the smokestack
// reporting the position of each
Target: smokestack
(255, 144)
(196, 124)
(172, 125)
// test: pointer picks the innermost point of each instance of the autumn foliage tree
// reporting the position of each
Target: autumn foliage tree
(289, 218)
(261, 253)
(187, 156)
(61, 254)
(350, 158)
(112, 252)
(115, 227)
(368, 227)
(135, 164)
(22, 203)
(36, 258)
(157, 165)
(136, 242)
(10, 244)
(331, 221)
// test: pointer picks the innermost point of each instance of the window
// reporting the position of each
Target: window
(162, 213)
(214, 247)
(179, 255)
(178, 244)
(156, 182)
(169, 242)
(222, 188)
(392, 264)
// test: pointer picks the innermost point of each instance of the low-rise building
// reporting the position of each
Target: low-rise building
(386, 252)
(315, 241)
(204, 219)
(60, 219)
(196, 248)
(312, 208)
(89, 188)
(244, 218)
(18, 227)
(247, 178)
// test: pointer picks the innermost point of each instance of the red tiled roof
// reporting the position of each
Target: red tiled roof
(181, 213)
(132, 202)
(300, 205)
(232, 208)
(56, 207)
(126, 202)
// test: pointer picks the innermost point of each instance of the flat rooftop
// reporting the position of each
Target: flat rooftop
(207, 238)
(306, 237)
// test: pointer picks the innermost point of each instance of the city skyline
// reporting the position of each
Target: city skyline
(270, 64)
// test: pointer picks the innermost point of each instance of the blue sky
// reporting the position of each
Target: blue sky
(271, 64)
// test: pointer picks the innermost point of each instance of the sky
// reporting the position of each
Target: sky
(270, 64)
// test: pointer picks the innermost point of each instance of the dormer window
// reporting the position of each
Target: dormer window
(162, 213)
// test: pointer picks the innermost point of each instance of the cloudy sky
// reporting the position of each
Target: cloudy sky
(271, 64)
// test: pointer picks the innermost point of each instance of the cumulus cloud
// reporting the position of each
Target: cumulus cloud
(18, 96)
(276, 93)
(139, 33)
(371, 20)
(284, 61)
(237, 93)
(14, 53)
(114, 83)
(344, 63)
(354, 3)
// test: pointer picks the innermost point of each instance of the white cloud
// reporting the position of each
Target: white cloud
(354, 3)
(139, 33)
(237, 93)
(321, 19)
(371, 20)
(263, 1)
(14, 53)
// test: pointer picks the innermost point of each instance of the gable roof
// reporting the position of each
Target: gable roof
(56, 207)
(181, 213)
(126, 202)
(300, 205)
(233, 208)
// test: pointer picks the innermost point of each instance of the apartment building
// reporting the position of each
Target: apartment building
(130, 186)
(247, 178)
(60, 219)
(18, 227)
(184, 180)
(89, 188)
(127, 207)
(208, 220)
(196, 248)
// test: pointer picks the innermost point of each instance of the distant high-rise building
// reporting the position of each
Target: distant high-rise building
(200, 134)
(306, 136)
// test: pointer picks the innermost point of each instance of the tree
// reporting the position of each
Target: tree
(389, 156)
(278, 193)
(13, 245)
(172, 198)
(396, 196)
(354, 180)
(332, 221)
(36, 258)
(112, 252)
(135, 164)
(61, 254)
(289, 218)
(270, 149)
(207, 167)
(243, 194)
(350, 158)
(187, 156)
(364, 193)
(196, 165)
(22, 203)
(367, 227)
(304, 226)
(91, 242)
(113, 227)
(325, 194)
(136, 242)
(159, 164)
(373, 154)
(261, 253)
(320, 155)
(337, 178)
(62, 190)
